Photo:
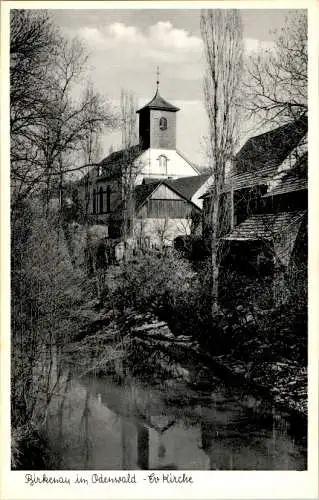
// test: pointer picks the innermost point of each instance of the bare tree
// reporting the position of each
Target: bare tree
(47, 139)
(222, 36)
(33, 43)
(162, 229)
(277, 80)
(130, 168)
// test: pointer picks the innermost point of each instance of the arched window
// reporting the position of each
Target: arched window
(94, 201)
(101, 199)
(163, 123)
(163, 164)
(108, 199)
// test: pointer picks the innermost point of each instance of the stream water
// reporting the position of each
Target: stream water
(101, 423)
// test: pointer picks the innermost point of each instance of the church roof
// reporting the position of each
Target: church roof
(112, 165)
(159, 103)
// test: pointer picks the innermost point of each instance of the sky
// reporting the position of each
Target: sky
(126, 46)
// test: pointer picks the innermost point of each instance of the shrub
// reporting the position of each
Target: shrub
(155, 281)
(45, 288)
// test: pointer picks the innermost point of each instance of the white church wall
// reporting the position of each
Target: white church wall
(148, 165)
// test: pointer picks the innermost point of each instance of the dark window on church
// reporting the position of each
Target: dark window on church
(101, 199)
(94, 201)
(163, 123)
(108, 199)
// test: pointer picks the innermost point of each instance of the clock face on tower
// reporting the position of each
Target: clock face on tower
(163, 123)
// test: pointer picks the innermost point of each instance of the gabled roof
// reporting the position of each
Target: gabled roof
(112, 164)
(159, 103)
(271, 148)
(265, 226)
(188, 186)
(143, 191)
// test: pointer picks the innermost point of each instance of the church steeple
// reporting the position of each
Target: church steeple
(157, 122)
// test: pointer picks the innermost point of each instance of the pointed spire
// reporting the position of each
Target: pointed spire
(158, 102)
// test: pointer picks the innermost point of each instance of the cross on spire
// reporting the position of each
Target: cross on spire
(158, 75)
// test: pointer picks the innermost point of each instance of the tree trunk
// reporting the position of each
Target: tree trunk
(214, 254)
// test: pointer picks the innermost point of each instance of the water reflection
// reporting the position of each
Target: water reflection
(100, 424)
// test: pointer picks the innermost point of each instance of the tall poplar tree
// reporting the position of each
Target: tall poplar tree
(221, 31)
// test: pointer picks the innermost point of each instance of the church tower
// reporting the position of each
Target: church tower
(157, 123)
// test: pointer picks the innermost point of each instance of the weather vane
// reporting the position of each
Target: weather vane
(158, 75)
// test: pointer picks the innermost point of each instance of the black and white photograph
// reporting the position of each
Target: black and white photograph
(159, 240)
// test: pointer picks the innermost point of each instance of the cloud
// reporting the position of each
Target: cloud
(164, 34)
(121, 32)
(161, 42)
(92, 36)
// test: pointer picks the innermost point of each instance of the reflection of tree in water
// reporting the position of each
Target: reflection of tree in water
(85, 427)
(61, 408)
(142, 447)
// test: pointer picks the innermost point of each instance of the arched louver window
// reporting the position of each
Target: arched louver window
(101, 200)
(108, 199)
(163, 123)
(94, 201)
(163, 164)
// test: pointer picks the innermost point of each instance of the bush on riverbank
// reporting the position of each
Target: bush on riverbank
(45, 289)
(29, 451)
(169, 287)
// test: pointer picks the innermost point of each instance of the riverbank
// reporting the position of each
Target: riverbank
(266, 349)
(162, 334)
(143, 346)
(30, 450)
(280, 380)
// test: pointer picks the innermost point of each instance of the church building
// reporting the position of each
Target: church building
(165, 186)
(157, 132)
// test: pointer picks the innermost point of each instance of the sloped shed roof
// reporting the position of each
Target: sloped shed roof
(265, 226)
(247, 179)
(292, 180)
(270, 148)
